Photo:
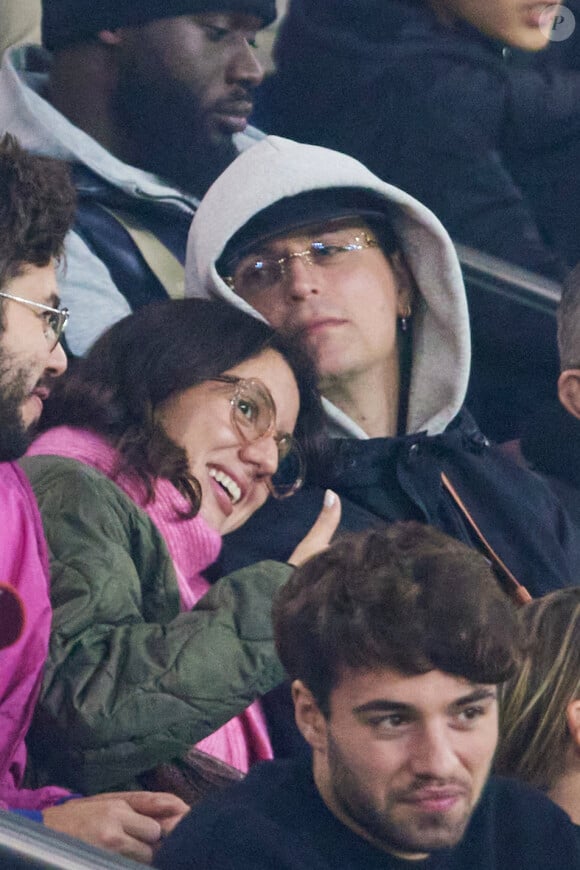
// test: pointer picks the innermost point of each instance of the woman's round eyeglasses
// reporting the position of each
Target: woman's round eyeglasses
(253, 415)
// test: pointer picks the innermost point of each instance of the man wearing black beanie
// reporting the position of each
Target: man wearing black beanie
(149, 102)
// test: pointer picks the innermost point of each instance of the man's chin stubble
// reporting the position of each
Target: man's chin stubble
(14, 441)
(15, 437)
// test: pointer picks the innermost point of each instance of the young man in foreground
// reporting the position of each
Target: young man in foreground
(395, 641)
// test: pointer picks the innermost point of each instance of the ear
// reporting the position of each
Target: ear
(310, 721)
(573, 721)
(111, 37)
(569, 391)
(405, 284)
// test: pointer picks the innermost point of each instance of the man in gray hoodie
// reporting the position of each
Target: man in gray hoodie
(369, 280)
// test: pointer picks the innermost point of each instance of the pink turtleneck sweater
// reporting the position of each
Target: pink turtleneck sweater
(192, 545)
(24, 565)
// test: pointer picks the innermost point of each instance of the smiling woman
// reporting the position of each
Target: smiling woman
(159, 387)
(183, 412)
(234, 410)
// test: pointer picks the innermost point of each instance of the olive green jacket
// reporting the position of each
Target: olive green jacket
(131, 681)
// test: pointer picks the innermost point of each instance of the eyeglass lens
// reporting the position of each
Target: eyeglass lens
(255, 273)
(253, 416)
(55, 324)
(253, 410)
(290, 473)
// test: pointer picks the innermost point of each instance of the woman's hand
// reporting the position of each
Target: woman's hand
(320, 535)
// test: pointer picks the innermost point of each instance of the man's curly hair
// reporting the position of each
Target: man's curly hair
(37, 206)
(404, 597)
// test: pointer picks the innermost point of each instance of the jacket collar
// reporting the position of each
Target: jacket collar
(362, 462)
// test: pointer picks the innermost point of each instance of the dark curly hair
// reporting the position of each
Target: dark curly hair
(156, 352)
(37, 206)
(405, 597)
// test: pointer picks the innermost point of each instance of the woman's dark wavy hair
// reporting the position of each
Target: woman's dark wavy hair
(160, 350)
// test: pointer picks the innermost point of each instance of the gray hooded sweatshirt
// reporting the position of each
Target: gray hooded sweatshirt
(442, 471)
(278, 168)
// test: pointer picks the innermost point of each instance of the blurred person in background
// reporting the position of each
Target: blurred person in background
(148, 101)
(550, 441)
(455, 101)
(540, 705)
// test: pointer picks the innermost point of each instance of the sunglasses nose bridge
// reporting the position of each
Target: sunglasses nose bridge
(303, 256)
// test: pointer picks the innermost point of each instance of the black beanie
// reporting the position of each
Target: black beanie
(65, 22)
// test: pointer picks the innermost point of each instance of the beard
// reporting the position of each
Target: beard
(169, 132)
(15, 437)
(392, 825)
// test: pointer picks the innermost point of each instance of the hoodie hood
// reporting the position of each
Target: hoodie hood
(277, 168)
(26, 113)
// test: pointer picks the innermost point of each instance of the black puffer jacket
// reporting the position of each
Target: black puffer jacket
(487, 137)
(388, 479)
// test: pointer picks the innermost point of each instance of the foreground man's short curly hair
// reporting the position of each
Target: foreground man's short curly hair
(406, 597)
(37, 206)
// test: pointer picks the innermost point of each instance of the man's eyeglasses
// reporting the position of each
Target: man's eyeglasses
(253, 415)
(54, 319)
(253, 274)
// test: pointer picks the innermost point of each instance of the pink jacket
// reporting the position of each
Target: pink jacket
(23, 565)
